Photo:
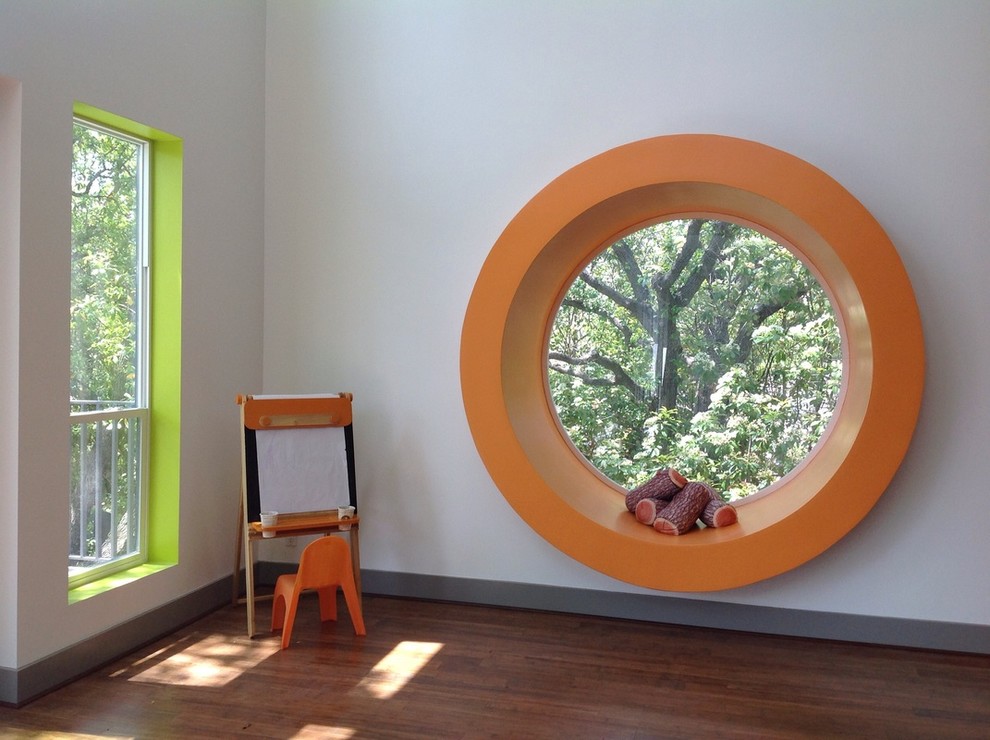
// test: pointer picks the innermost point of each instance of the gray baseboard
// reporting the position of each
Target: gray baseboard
(942, 636)
(890, 631)
(18, 687)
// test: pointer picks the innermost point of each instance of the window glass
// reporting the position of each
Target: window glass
(108, 350)
(698, 344)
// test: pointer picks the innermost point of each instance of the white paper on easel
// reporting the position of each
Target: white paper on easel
(302, 469)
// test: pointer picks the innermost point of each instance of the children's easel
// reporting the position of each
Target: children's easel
(297, 458)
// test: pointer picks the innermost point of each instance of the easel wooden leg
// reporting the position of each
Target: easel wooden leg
(236, 588)
(244, 547)
(249, 584)
(356, 558)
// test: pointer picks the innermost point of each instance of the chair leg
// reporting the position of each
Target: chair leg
(278, 612)
(354, 607)
(290, 618)
(284, 585)
(328, 603)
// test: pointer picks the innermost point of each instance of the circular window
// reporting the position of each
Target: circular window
(696, 344)
(544, 249)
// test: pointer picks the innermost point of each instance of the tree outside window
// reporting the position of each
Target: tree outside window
(108, 348)
(698, 344)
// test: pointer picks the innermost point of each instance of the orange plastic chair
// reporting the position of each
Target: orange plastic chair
(324, 565)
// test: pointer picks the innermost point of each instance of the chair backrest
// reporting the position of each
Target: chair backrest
(324, 562)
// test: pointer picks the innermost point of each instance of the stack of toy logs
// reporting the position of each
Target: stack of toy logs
(672, 504)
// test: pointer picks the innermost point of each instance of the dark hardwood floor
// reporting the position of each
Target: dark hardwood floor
(437, 670)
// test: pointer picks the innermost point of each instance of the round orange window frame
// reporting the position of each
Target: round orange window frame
(541, 251)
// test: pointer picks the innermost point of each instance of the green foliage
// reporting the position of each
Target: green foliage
(106, 275)
(105, 267)
(700, 345)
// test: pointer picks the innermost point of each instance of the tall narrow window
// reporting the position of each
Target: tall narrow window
(109, 350)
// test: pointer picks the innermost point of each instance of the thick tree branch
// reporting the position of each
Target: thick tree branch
(607, 290)
(601, 313)
(630, 267)
(692, 243)
(91, 182)
(642, 310)
(570, 365)
(721, 236)
(744, 335)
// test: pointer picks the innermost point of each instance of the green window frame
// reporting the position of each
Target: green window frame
(164, 214)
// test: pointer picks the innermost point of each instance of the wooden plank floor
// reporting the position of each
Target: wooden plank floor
(434, 670)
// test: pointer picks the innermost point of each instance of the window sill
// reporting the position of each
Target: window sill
(115, 580)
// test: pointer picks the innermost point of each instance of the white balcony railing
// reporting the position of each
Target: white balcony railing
(106, 488)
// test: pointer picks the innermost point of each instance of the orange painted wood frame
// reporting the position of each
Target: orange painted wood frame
(295, 411)
(540, 253)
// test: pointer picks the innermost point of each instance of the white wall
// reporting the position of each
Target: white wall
(195, 70)
(10, 206)
(403, 136)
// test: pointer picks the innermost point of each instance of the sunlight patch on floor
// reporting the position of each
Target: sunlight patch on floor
(396, 669)
(323, 732)
(212, 661)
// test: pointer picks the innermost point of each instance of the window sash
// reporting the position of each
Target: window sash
(109, 438)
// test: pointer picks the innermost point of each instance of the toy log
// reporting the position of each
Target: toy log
(664, 485)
